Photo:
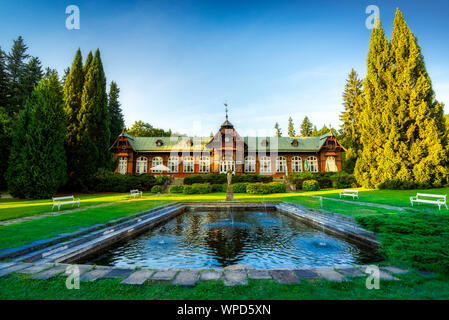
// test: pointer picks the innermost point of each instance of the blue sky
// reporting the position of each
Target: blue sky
(176, 62)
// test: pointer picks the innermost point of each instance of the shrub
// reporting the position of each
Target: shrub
(220, 178)
(299, 177)
(197, 188)
(156, 189)
(343, 180)
(176, 189)
(239, 187)
(397, 184)
(310, 185)
(265, 188)
(219, 187)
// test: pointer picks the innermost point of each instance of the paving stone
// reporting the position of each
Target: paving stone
(235, 278)
(284, 276)
(82, 268)
(186, 278)
(211, 275)
(329, 273)
(239, 267)
(95, 274)
(395, 270)
(6, 265)
(138, 277)
(351, 272)
(36, 268)
(118, 273)
(14, 268)
(47, 274)
(164, 275)
(306, 274)
(259, 274)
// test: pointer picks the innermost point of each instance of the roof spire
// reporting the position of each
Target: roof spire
(226, 109)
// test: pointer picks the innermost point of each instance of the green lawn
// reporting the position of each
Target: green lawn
(14, 208)
(413, 286)
(400, 198)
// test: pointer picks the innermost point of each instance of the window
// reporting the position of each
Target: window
(265, 165)
(156, 162)
(250, 164)
(331, 165)
(311, 164)
(122, 165)
(141, 165)
(296, 164)
(227, 164)
(173, 164)
(281, 164)
(188, 164)
(204, 164)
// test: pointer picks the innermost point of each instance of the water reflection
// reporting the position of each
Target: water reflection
(221, 238)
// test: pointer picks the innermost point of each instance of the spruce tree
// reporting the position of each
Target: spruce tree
(374, 119)
(278, 130)
(38, 160)
(32, 75)
(3, 80)
(350, 117)
(73, 90)
(306, 127)
(93, 117)
(115, 112)
(291, 128)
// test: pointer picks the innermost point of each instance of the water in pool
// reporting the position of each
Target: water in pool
(222, 238)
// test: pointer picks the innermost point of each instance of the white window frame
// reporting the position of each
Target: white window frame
(155, 162)
(204, 164)
(313, 164)
(122, 165)
(281, 164)
(188, 165)
(250, 164)
(225, 164)
(265, 164)
(141, 165)
(296, 164)
(173, 164)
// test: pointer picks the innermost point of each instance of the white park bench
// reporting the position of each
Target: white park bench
(135, 193)
(59, 201)
(350, 193)
(439, 200)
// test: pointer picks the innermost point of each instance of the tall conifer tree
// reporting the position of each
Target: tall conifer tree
(277, 129)
(291, 128)
(373, 118)
(306, 127)
(94, 134)
(38, 160)
(115, 112)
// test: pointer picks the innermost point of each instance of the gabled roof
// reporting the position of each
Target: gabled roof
(255, 144)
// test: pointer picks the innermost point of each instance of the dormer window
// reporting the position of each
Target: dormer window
(189, 142)
(159, 143)
(295, 143)
(264, 143)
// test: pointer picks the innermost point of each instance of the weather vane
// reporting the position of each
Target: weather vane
(226, 109)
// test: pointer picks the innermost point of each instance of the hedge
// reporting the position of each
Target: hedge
(106, 181)
(325, 179)
(220, 178)
(197, 188)
(176, 189)
(156, 189)
(266, 188)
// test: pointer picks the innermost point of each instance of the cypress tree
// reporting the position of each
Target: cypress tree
(93, 117)
(350, 117)
(306, 127)
(73, 90)
(115, 112)
(373, 118)
(88, 63)
(38, 161)
(278, 130)
(291, 128)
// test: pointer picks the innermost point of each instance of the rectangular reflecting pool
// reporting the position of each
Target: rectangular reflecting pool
(261, 239)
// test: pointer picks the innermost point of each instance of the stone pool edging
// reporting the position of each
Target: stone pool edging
(235, 275)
